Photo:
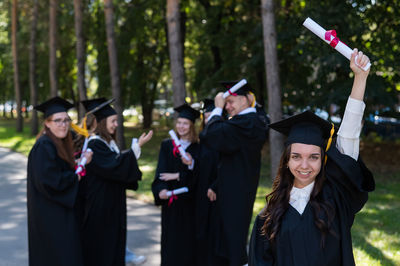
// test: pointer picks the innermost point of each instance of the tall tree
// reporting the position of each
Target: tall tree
(53, 47)
(114, 72)
(32, 68)
(176, 52)
(273, 82)
(80, 53)
(18, 96)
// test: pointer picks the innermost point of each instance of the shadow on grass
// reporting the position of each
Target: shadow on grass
(378, 222)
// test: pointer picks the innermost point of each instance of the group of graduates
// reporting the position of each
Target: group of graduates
(205, 184)
(79, 219)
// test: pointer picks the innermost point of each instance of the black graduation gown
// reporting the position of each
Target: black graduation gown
(239, 142)
(206, 177)
(177, 220)
(104, 223)
(298, 241)
(53, 229)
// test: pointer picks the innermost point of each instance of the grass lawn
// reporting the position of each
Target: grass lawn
(376, 230)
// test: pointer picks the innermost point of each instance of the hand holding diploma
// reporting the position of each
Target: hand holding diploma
(330, 38)
(85, 159)
(177, 191)
(177, 145)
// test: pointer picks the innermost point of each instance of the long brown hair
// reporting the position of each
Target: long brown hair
(278, 201)
(102, 131)
(193, 138)
(64, 147)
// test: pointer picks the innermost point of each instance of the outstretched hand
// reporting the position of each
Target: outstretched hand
(357, 65)
(360, 76)
(144, 138)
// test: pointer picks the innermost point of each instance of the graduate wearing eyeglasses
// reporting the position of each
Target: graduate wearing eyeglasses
(52, 187)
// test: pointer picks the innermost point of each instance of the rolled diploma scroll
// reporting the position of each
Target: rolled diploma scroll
(82, 163)
(235, 87)
(320, 32)
(178, 144)
(177, 191)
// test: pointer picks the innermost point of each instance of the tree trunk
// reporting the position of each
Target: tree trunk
(176, 52)
(53, 47)
(273, 83)
(80, 54)
(18, 97)
(32, 68)
(112, 57)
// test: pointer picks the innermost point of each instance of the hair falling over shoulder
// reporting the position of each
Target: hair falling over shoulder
(65, 147)
(278, 201)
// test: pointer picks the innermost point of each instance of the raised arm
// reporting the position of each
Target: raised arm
(349, 132)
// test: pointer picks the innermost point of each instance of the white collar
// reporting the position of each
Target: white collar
(112, 145)
(299, 197)
(247, 111)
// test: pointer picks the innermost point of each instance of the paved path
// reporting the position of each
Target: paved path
(143, 219)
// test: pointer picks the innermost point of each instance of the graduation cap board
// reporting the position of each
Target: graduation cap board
(99, 107)
(185, 111)
(208, 105)
(306, 128)
(53, 105)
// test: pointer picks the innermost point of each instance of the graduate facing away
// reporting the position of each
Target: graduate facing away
(52, 188)
(320, 185)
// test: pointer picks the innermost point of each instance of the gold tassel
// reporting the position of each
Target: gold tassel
(81, 130)
(329, 142)
(253, 104)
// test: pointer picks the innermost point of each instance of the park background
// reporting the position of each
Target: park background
(152, 55)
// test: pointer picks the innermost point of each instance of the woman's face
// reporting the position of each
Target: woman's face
(183, 127)
(111, 124)
(59, 124)
(304, 163)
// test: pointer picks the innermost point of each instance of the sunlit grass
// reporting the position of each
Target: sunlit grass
(376, 229)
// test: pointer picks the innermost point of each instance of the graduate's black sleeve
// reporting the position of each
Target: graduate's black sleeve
(260, 253)
(162, 167)
(351, 178)
(221, 135)
(121, 168)
(49, 178)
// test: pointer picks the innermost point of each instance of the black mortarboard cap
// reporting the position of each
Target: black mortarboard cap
(306, 128)
(101, 113)
(244, 90)
(208, 105)
(187, 112)
(54, 105)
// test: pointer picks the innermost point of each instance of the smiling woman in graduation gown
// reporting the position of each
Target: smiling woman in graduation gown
(308, 217)
(177, 214)
(52, 186)
(104, 188)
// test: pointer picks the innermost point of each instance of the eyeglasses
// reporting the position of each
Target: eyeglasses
(59, 122)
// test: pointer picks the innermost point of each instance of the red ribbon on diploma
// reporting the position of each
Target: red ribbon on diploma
(83, 172)
(328, 35)
(233, 94)
(172, 198)
(176, 148)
